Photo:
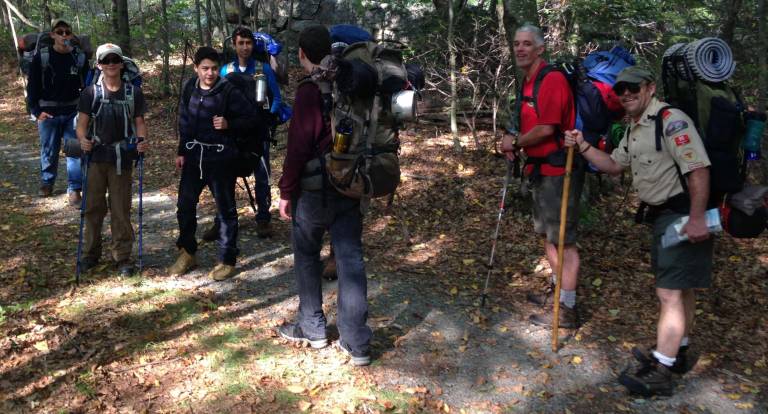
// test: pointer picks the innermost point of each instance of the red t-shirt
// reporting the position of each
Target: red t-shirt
(555, 104)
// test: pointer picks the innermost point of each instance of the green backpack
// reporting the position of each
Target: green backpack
(360, 91)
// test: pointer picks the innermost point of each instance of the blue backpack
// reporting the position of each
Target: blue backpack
(604, 66)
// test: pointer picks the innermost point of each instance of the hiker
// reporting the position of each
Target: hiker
(660, 178)
(314, 212)
(245, 63)
(209, 121)
(55, 78)
(542, 122)
(110, 122)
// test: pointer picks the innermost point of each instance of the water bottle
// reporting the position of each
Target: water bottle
(672, 236)
(752, 138)
(261, 87)
(343, 136)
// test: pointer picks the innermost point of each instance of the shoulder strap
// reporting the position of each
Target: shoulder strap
(186, 93)
(546, 70)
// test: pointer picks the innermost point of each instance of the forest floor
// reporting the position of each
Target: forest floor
(155, 343)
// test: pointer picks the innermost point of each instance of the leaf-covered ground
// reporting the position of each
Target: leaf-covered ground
(153, 343)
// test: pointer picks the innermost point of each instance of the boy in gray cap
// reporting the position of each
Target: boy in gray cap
(671, 176)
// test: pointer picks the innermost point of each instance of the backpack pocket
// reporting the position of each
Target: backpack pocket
(346, 172)
(724, 174)
(722, 131)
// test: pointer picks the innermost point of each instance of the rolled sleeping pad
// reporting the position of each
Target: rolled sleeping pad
(710, 59)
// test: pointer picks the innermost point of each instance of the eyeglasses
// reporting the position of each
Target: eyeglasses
(622, 87)
(111, 60)
(63, 32)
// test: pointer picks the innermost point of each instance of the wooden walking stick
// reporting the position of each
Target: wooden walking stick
(561, 247)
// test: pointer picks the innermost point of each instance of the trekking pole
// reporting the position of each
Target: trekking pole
(141, 211)
(496, 233)
(78, 266)
(561, 247)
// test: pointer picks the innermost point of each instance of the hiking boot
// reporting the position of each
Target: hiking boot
(293, 333)
(356, 359)
(125, 268)
(222, 272)
(329, 270)
(683, 362)
(45, 190)
(74, 198)
(542, 299)
(569, 318)
(212, 234)
(652, 379)
(263, 229)
(184, 263)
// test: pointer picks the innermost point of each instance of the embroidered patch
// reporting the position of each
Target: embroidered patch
(666, 114)
(681, 140)
(675, 126)
(689, 155)
(695, 165)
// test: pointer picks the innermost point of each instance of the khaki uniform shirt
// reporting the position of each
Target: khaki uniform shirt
(653, 172)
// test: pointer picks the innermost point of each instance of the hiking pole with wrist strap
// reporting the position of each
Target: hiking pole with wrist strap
(496, 233)
(561, 247)
(140, 161)
(78, 265)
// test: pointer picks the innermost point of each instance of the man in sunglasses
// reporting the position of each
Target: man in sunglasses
(55, 78)
(673, 180)
(111, 128)
(542, 120)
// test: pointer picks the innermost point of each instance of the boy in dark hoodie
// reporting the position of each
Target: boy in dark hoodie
(210, 117)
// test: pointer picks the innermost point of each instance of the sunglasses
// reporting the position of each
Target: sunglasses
(621, 87)
(111, 60)
(63, 32)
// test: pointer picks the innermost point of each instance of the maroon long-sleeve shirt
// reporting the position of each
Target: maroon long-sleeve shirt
(308, 137)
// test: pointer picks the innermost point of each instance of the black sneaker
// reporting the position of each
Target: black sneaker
(212, 234)
(543, 298)
(651, 379)
(356, 359)
(293, 333)
(125, 268)
(683, 361)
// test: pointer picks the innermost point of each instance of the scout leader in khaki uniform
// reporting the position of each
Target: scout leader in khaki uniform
(673, 181)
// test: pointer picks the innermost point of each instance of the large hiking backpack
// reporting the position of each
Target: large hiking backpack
(695, 79)
(365, 101)
(40, 43)
(130, 73)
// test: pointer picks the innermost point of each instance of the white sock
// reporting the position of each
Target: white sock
(568, 298)
(665, 360)
(684, 342)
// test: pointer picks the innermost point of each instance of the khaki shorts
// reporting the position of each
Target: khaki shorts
(547, 195)
(684, 266)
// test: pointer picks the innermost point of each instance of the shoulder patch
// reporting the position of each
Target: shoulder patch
(690, 155)
(681, 140)
(666, 114)
(675, 126)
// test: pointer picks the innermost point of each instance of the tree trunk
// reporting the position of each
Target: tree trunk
(113, 19)
(166, 50)
(142, 25)
(452, 64)
(732, 8)
(198, 23)
(46, 16)
(123, 27)
(208, 24)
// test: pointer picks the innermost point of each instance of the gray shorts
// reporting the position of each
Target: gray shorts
(547, 195)
(684, 266)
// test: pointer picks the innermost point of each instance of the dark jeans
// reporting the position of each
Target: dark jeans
(341, 215)
(220, 179)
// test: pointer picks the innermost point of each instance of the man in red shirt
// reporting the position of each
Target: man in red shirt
(543, 119)
(314, 208)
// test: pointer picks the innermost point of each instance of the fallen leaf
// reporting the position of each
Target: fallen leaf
(296, 389)
(41, 346)
(576, 360)
(304, 406)
(611, 338)
(733, 396)
(744, 406)
(454, 291)
(597, 282)
(468, 262)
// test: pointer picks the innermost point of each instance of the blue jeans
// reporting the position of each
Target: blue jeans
(263, 193)
(220, 179)
(341, 215)
(52, 131)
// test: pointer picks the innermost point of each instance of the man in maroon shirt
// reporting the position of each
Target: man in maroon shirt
(543, 119)
(314, 207)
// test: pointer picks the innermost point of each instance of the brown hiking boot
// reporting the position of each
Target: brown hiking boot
(212, 234)
(329, 269)
(45, 190)
(649, 380)
(569, 318)
(263, 229)
(542, 299)
(222, 272)
(184, 263)
(684, 361)
(74, 198)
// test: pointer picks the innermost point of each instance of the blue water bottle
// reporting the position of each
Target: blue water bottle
(753, 137)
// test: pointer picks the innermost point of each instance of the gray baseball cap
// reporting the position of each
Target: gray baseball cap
(634, 74)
